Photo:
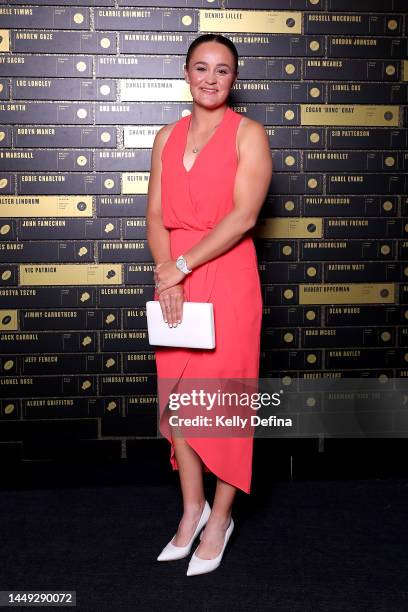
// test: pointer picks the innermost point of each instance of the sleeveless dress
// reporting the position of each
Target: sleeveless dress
(193, 202)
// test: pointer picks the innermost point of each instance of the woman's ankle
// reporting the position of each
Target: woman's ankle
(194, 508)
(219, 518)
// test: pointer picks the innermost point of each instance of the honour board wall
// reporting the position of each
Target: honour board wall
(84, 87)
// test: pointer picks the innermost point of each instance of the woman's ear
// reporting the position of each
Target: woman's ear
(185, 73)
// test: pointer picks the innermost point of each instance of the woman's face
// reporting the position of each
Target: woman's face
(210, 74)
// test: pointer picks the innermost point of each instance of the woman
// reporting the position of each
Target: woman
(210, 173)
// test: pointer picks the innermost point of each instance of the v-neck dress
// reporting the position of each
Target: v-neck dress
(193, 202)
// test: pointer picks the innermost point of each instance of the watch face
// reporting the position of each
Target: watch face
(182, 265)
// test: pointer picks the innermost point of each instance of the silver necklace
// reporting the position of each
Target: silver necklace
(196, 149)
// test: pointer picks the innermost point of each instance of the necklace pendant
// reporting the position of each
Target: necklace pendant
(195, 150)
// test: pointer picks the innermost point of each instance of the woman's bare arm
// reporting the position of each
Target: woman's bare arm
(158, 237)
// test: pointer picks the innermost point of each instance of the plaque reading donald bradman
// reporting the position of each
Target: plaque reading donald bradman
(274, 22)
(71, 274)
(151, 90)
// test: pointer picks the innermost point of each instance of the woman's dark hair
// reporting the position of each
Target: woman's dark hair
(213, 38)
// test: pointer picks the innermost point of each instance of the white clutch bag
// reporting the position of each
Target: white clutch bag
(196, 329)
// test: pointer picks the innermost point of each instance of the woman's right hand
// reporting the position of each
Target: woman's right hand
(171, 302)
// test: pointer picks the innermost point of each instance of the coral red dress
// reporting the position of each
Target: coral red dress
(193, 202)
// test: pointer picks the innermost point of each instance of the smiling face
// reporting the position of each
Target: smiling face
(211, 74)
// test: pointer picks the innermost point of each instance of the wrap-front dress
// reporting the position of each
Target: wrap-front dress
(193, 202)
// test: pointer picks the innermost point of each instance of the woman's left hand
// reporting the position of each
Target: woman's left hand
(167, 275)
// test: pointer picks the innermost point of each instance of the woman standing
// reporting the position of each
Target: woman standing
(210, 173)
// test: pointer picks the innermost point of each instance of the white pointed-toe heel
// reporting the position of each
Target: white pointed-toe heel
(202, 566)
(171, 552)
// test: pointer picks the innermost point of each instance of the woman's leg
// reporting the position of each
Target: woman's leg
(214, 531)
(192, 487)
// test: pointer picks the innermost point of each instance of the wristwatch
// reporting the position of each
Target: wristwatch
(182, 264)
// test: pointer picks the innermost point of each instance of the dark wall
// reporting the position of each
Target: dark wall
(84, 88)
